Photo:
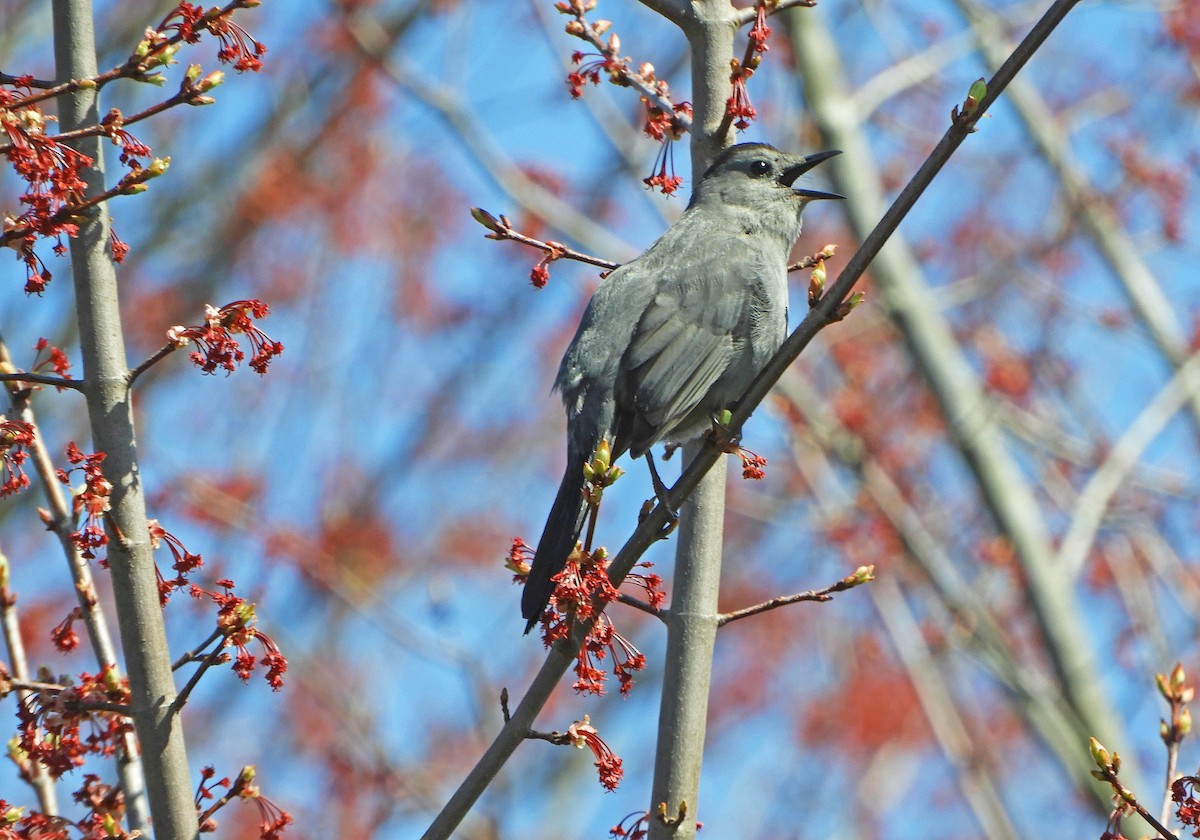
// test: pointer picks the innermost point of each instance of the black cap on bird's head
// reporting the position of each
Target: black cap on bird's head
(760, 160)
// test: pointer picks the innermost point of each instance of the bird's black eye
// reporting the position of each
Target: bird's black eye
(759, 168)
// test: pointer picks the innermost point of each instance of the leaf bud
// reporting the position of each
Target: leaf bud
(1099, 754)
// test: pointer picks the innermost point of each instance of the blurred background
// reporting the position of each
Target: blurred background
(1006, 429)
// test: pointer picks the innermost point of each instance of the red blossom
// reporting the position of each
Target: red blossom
(50, 721)
(51, 172)
(184, 561)
(738, 107)
(608, 63)
(752, 464)
(520, 559)
(664, 177)
(15, 436)
(190, 21)
(583, 734)
(56, 359)
(760, 32)
(1183, 794)
(236, 620)
(131, 147)
(92, 500)
(215, 338)
(273, 818)
(119, 248)
(637, 830)
(63, 635)
(580, 586)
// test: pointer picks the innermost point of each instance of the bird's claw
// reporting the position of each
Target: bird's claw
(722, 435)
(661, 491)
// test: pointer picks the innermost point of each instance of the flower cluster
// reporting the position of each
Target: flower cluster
(235, 621)
(50, 720)
(102, 822)
(216, 342)
(738, 108)
(92, 500)
(51, 172)
(55, 359)
(665, 121)
(752, 464)
(63, 635)
(15, 436)
(184, 561)
(582, 590)
(583, 734)
(273, 819)
(1187, 804)
(189, 22)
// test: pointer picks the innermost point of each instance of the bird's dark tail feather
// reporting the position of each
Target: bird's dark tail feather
(557, 542)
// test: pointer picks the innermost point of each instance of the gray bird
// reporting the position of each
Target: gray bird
(676, 335)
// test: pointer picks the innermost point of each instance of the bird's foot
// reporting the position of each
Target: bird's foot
(721, 435)
(661, 491)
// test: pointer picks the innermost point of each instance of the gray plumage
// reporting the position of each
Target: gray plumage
(676, 335)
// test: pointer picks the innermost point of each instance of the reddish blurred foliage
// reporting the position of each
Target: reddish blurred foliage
(223, 503)
(349, 549)
(874, 705)
(1165, 183)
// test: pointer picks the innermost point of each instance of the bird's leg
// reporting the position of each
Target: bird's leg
(661, 491)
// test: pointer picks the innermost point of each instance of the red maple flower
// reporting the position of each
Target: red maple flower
(583, 734)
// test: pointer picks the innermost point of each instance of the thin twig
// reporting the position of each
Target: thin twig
(1172, 761)
(639, 604)
(819, 595)
(160, 354)
(501, 230)
(193, 655)
(748, 14)
(209, 661)
(42, 379)
(1126, 796)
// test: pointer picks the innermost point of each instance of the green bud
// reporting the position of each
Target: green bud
(211, 81)
(157, 167)
(1099, 754)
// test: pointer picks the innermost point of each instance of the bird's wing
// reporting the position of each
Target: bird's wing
(682, 344)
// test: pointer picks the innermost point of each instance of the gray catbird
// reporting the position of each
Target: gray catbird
(676, 335)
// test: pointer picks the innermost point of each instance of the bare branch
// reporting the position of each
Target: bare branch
(42, 379)
(1104, 483)
(859, 577)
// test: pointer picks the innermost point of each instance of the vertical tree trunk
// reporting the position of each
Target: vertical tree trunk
(143, 635)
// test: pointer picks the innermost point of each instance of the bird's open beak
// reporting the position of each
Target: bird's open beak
(790, 174)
